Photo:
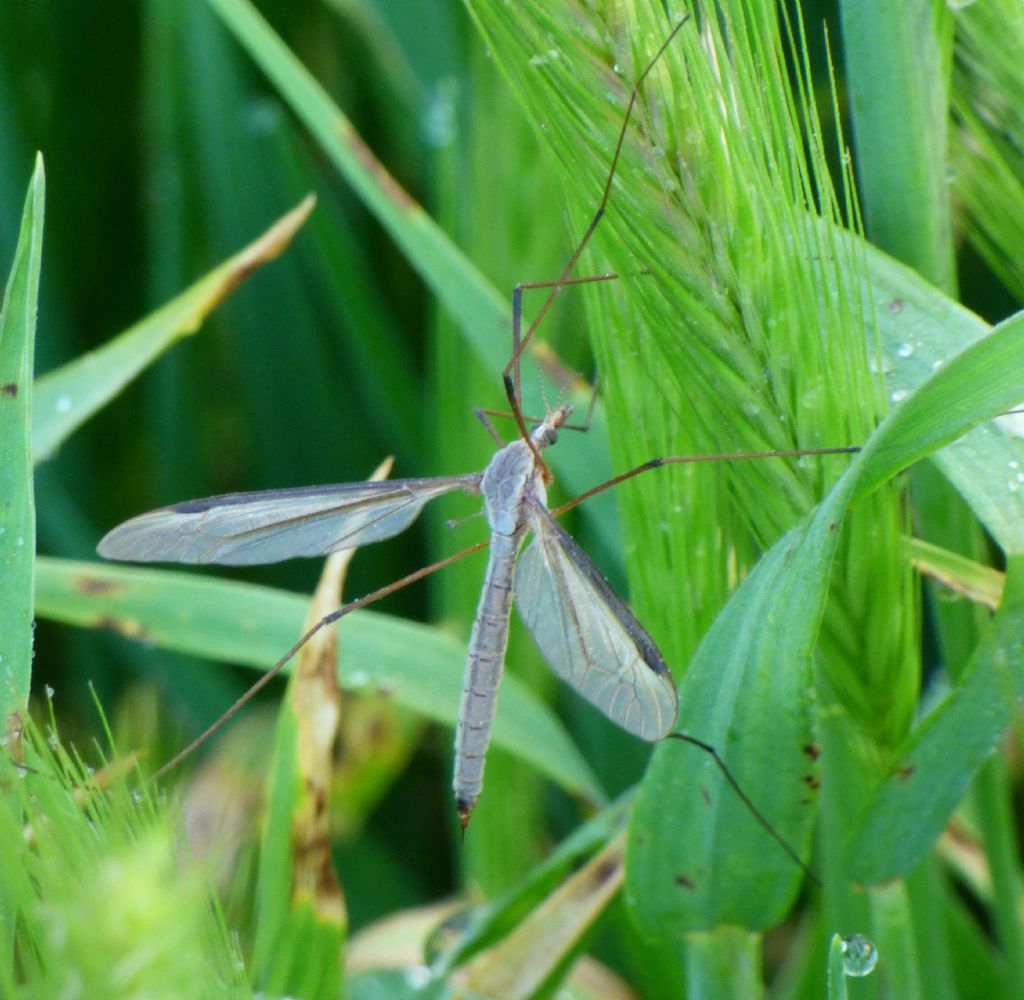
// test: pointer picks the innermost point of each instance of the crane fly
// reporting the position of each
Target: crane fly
(588, 636)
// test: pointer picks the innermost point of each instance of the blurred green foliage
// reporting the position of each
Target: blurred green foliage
(167, 150)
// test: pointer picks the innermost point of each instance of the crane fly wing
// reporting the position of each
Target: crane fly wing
(247, 528)
(588, 636)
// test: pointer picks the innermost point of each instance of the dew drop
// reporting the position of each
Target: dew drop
(905, 350)
(63, 403)
(899, 395)
(859, 955)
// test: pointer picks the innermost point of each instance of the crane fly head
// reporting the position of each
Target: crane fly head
(546, 432)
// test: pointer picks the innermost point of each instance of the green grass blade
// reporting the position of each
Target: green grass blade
(999, 836)
(421, 666)
(726, 964)
(892, 932)
(988, 98)
(453, 278)
(898, 94)
(836, 977)
(932, 771)
(67, 397)
(17, 506)
(966, 577)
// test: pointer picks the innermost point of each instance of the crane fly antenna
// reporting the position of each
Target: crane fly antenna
(511, 375)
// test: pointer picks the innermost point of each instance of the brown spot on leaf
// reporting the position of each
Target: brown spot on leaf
(685, 883)
(379, 732)
(705, 795)
(905, 772)
(95, 585)
(606, 871)
(10, 389)
(896, 307)
(811, 781)
(812, 751)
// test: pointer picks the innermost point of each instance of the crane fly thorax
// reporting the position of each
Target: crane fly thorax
(510, 480)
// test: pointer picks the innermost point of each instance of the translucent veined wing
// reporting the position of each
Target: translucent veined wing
(588, 636)
(247, 528)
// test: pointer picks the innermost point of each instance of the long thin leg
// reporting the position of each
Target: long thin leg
(484, 416)
(517, 311)
(323, 623)
(747, 801)
(510, 376)
(512, 382)
(657, 463)
(515, 393)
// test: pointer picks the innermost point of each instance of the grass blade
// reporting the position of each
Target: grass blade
(899, 95)
(67, 397)
(17, 509)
